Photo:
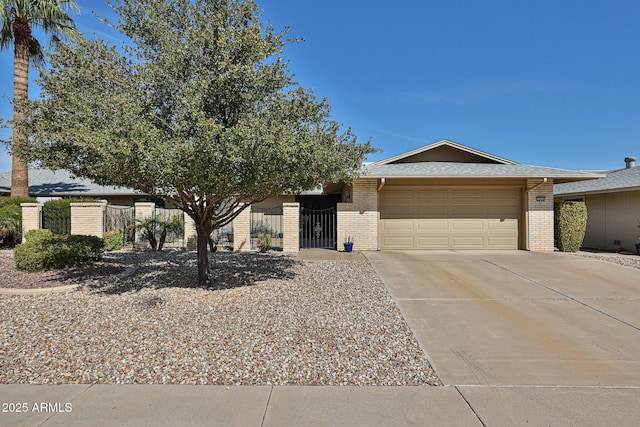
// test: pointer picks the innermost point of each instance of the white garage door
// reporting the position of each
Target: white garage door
(427, 217)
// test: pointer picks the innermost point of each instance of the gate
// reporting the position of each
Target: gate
(318, 228)
(123, 220)
(267, 221)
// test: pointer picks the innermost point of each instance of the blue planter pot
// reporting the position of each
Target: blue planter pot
(348, 247)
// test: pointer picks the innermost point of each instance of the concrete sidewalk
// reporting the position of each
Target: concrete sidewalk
(166, 405)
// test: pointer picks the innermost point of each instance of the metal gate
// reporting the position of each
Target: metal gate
(123, 220)
(318, 228)
(267, 221)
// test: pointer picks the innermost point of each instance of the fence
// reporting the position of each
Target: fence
(222, 238)
(57, 219)
(169, 224)
(121, 219)
(267, 221)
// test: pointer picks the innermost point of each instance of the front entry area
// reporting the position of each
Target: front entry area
(318, 221)
(450, 217)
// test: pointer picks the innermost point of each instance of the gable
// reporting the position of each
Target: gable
(445, 151)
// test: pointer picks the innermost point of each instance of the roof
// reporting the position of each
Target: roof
(471, 170)
(615, 180)
(45, 182)
(448, 159)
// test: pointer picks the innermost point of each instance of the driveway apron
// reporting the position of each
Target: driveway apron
(519, 318)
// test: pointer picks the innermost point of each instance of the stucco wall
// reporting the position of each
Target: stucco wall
(613, 217)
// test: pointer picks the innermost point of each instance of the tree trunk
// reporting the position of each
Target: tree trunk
(19, 169)
(203, 255)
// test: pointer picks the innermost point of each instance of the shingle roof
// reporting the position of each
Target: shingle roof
(470, 170)
(616, 180)
(45, 182)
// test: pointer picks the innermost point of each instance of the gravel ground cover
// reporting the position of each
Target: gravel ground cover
(632, 261)
(268, 319)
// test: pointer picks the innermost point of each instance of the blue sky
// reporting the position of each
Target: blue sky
(549, 83)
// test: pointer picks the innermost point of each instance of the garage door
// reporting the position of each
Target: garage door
(427, 217)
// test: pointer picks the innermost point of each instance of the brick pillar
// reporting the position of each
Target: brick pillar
(242, 231)
(190, 234)
(291, 227)
(540, 215)
(143, 210)
(88, 218)
(359, 218)
(31, 217)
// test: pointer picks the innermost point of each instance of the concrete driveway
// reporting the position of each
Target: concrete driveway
(519, 318)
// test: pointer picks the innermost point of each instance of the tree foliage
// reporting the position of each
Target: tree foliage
(200, 109)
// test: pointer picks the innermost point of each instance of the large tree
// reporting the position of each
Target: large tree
(199, 109)
(19, 17)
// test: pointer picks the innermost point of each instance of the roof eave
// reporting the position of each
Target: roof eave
(599, 191)
(565, 178)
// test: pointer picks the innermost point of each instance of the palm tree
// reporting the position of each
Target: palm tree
(18, 18)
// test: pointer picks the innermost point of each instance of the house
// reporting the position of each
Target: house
(45, 184)
(613, 207)
(441, 196)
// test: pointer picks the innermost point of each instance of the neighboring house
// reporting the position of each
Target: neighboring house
(613, 207)
(46, 184)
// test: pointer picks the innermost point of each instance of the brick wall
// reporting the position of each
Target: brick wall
(360, 217)
(291, 227)
(539, 215)
(242, 231)
(31, 217)
(88, 218)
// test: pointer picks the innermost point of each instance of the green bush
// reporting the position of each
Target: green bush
(37, 235)
(113, 241)
(570, 222)
(11, 220)
(46, 251)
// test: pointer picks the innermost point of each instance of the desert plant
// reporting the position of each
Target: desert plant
(348, 240)
(155, 230)
(570, 225)
(113, 241)
(263, 242)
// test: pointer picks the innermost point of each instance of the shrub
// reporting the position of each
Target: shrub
(46, 251)
(113, 241)
(570, 225)
(11, 220)
(263, 242)
(37, 235)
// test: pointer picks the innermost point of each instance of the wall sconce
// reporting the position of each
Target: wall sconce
(347, 195)
(540, 198)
